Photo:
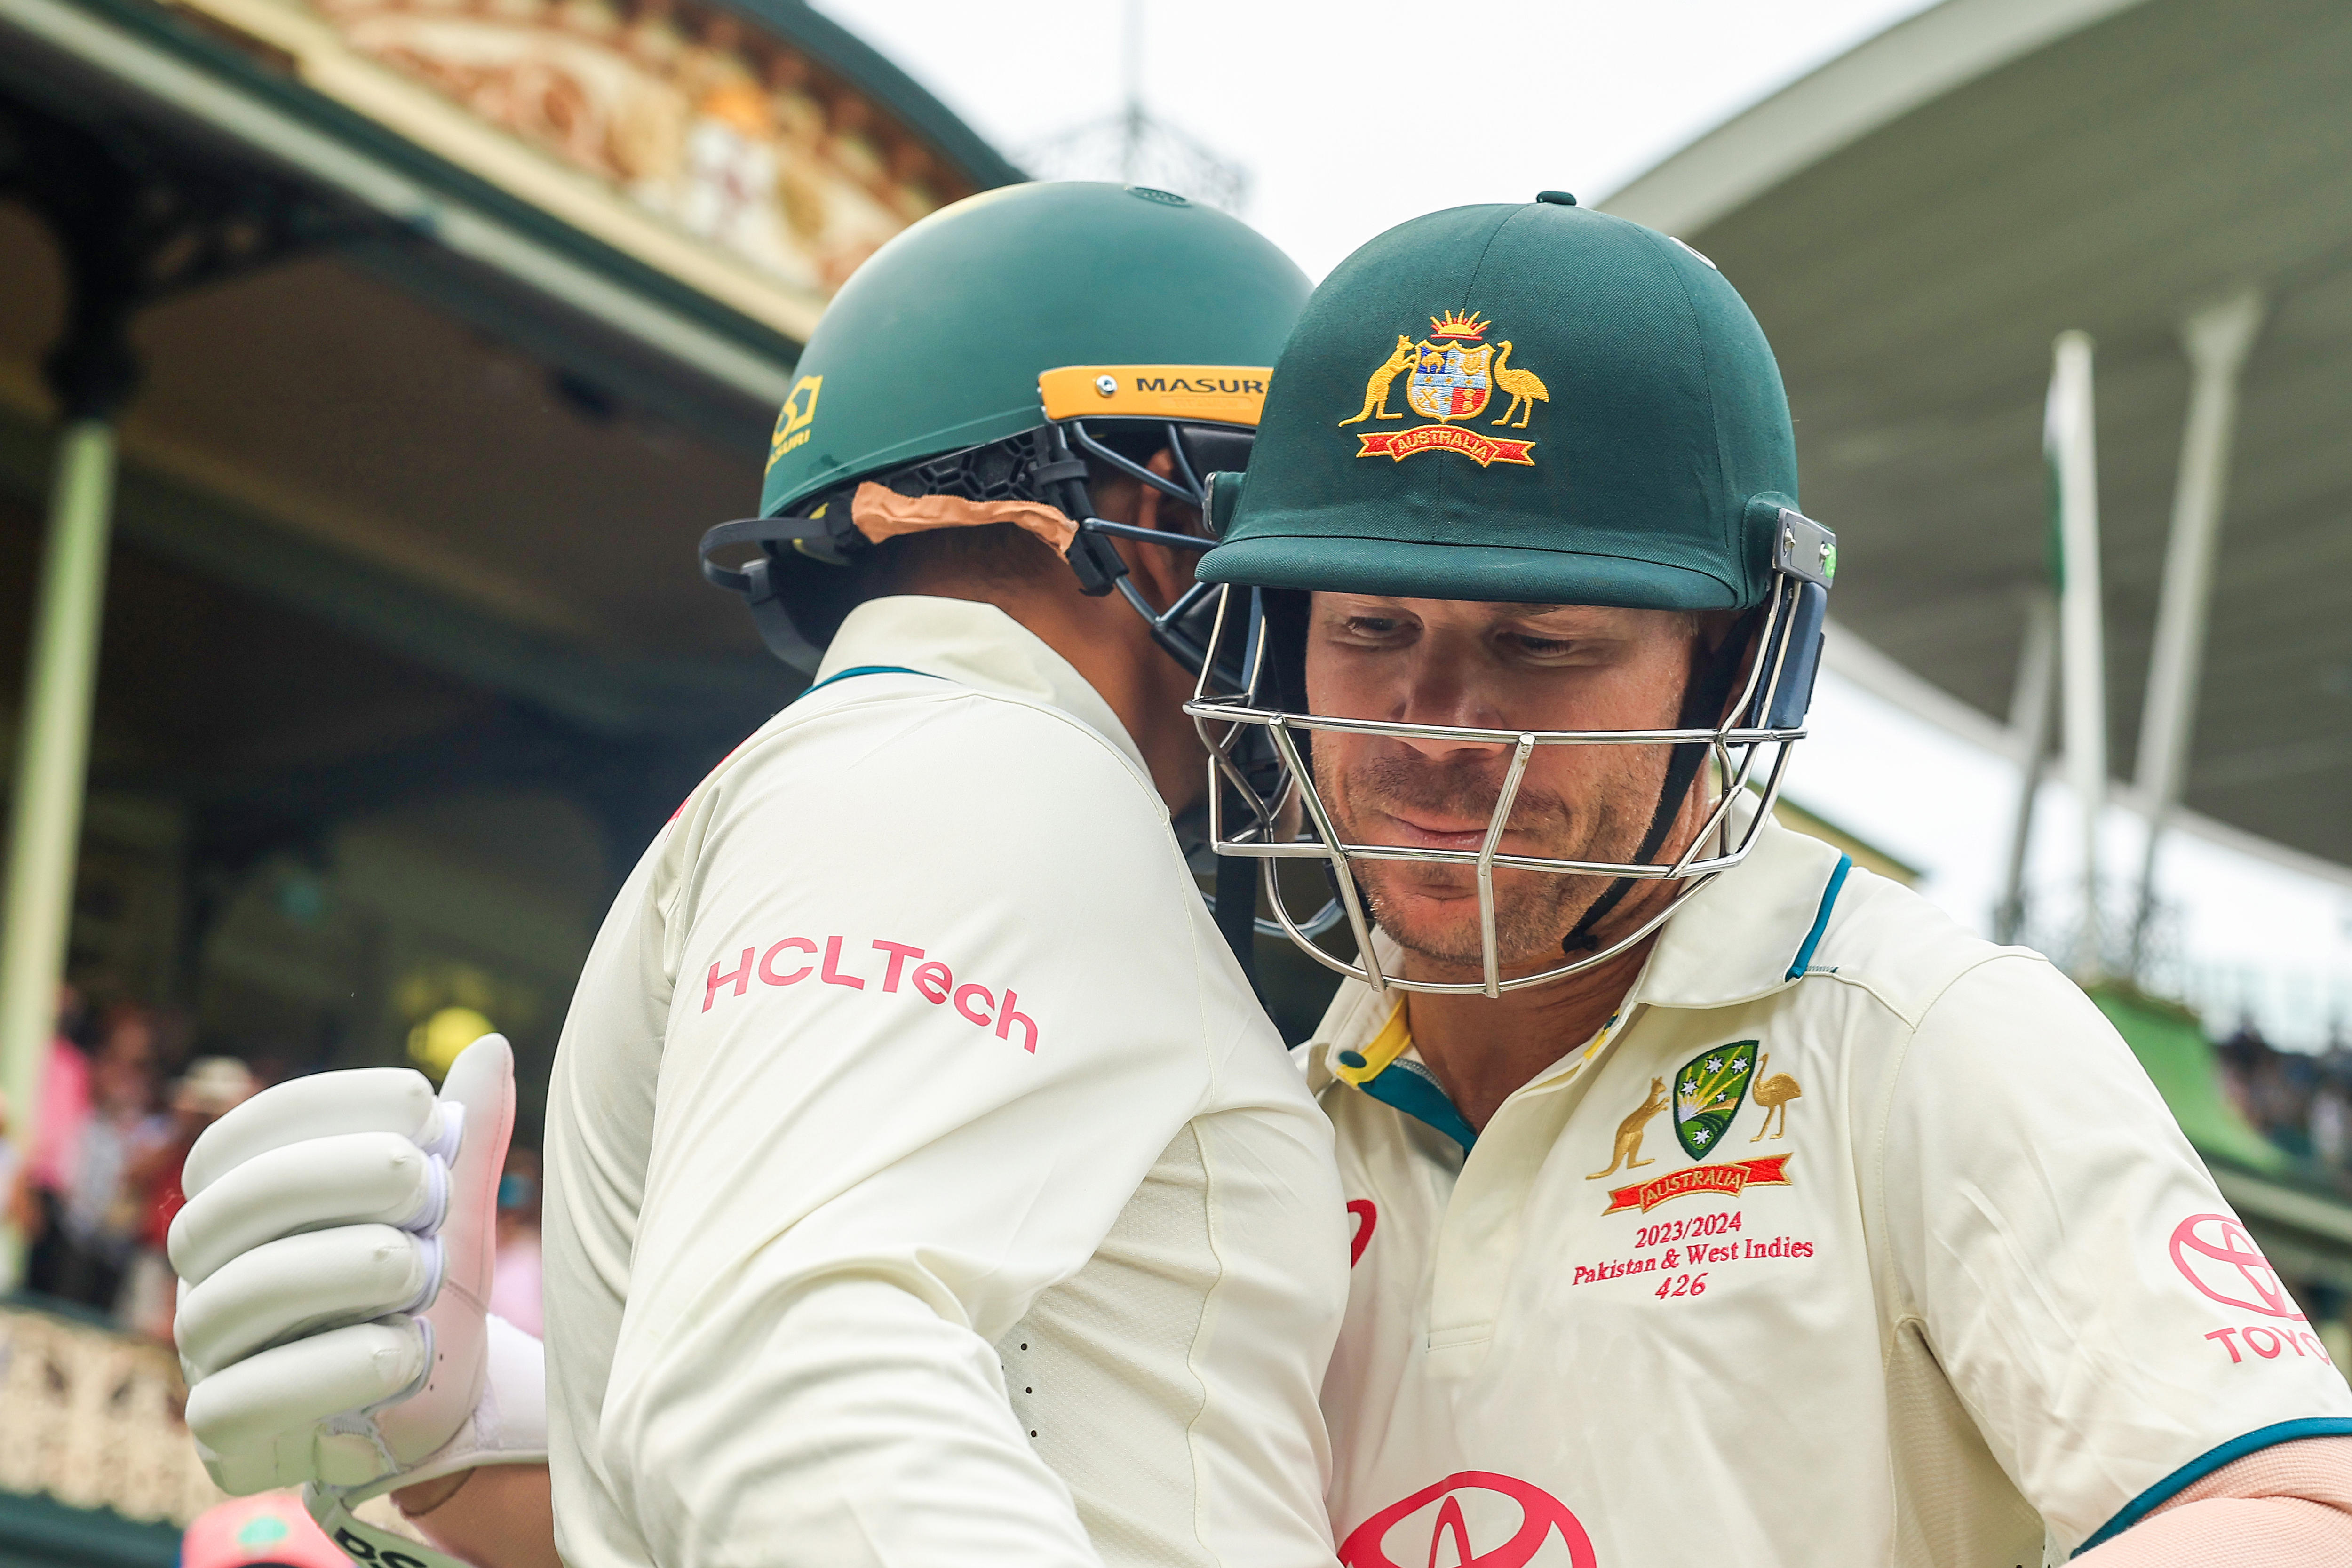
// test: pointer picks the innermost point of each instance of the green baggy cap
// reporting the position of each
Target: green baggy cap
(1538, 404)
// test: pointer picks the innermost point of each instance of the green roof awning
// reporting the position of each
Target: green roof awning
(2172, 1047)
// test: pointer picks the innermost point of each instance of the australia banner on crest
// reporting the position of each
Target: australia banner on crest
(1480, 448)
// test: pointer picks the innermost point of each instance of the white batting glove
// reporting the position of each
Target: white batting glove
(335, 1256)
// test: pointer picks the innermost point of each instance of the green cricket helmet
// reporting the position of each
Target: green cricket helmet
(1533, 403)
(988, 354)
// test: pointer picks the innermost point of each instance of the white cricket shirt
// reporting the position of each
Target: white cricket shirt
(1853, 1241)
(924, 1185)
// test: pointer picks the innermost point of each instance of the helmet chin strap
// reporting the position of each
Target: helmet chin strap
(1712, 676)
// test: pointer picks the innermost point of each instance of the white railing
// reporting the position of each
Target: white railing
(93, 1419)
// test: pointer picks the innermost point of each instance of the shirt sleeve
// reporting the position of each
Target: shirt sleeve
(938, 1008)
(2099, 1310)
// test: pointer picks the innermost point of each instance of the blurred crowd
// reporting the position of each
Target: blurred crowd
(94, 1182)
(97, 1183)
(2300, 1102)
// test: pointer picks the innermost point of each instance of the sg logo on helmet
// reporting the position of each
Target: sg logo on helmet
(1450, 376)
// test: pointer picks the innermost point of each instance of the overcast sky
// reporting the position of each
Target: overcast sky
(1350, 119)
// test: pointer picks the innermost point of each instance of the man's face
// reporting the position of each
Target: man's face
(1500, 667)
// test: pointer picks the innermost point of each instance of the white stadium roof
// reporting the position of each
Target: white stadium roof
(1915, 221)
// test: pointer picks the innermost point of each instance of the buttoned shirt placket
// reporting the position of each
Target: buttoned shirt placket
(1480, 1236)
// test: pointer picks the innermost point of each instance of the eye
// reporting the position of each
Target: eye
(1374, 628)
(1530, 649)
(1535, 649)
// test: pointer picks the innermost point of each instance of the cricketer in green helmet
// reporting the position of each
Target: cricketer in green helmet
(924, 1184)
(1713, 1200)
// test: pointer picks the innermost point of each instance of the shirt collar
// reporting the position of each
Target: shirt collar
(1366, 1041)
(1751, 930)
(974, 644)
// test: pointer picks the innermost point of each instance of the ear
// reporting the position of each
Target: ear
(1162, 573)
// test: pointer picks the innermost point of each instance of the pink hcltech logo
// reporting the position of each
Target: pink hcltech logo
(2214, 1253)
(1473, 1518)
(796, 958)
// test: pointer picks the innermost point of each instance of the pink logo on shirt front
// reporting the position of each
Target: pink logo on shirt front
(1472, 1519)
(2214, 1253)
(1367, 1217)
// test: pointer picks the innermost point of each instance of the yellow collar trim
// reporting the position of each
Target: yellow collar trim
(1394, 1040)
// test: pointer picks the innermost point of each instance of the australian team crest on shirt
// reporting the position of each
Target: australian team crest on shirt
(1708, 1092)
(1451, 376)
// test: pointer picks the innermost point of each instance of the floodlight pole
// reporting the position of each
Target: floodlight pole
(2216, 338)
(2081, 637)
(2029, 712)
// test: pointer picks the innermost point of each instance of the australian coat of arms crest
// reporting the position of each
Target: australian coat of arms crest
(1451, 376)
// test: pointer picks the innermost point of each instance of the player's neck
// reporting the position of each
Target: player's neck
(1109, 644)
(1482, 1049)
(1110, 648)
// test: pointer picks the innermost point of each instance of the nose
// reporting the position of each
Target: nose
(1439, 687)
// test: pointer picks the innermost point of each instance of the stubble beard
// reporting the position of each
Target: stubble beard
(1534, 910)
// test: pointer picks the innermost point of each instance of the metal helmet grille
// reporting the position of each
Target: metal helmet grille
(1256, 759)
(1195, 450)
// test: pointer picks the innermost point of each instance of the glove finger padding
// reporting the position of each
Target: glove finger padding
(398, 1101)
(358, 1178)
(303, 1285)
(262, 1417)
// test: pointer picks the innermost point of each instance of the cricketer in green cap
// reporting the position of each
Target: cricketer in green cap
(1525, 439)
(1802, 1226)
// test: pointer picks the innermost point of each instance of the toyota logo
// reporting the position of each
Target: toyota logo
(2214, 1253)
(1475, 1519)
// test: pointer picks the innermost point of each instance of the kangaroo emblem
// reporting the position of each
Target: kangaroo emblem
(1376, 390)
(1628, 1150)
